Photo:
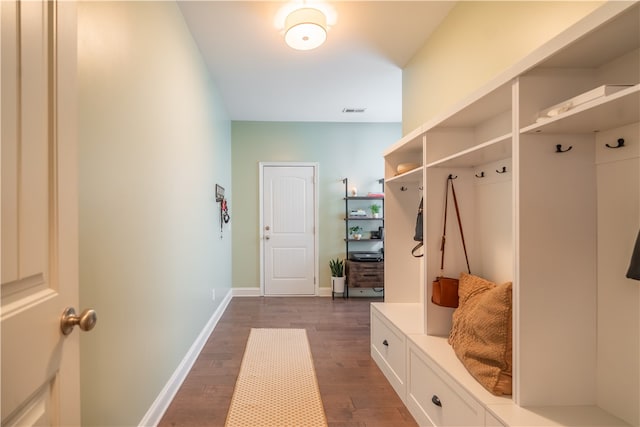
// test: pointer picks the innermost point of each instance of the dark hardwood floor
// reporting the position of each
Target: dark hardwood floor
(353, 389)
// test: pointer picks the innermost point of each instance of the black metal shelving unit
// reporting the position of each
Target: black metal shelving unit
(367, 222)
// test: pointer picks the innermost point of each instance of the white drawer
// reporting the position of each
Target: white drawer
(434, 399)
(388, 350)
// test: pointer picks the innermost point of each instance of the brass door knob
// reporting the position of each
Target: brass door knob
(86, 320)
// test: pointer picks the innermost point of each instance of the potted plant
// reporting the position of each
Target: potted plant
(356, 232)
(337, 275)
(375, 210)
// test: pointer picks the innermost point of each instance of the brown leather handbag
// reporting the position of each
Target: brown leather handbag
(445, 289)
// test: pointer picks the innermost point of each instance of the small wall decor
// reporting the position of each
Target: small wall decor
(224, 209)
(219, 193)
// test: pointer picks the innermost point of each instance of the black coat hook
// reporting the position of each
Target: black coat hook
(560, 150)
(403, 188)
(481, 175)
(452, 177)
(620, 144)
(504, 170)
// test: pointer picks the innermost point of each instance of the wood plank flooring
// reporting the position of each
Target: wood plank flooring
(354, 391)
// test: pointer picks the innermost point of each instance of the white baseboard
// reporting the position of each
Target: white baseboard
(246, 292)
(324, 292)
(255, 292)
(162, 402)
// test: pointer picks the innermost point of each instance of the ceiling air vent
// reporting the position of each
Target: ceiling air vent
(353, 110)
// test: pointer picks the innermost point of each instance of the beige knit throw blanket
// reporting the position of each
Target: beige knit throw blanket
(277, 383)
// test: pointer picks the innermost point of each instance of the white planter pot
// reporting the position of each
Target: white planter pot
(337, 284)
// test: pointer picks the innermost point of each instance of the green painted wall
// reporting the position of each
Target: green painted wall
(476, 42)
(351, 150)
(154, 139)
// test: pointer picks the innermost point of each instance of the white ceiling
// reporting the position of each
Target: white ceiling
(359, 66)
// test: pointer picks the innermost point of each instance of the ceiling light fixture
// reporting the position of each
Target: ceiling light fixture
(305, 28)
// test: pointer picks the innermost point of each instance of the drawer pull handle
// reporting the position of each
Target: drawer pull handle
(385, 343)
(436, 401)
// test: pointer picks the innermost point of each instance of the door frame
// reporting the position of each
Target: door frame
(316, 233)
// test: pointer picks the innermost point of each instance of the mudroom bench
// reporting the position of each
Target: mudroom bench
(439, 391)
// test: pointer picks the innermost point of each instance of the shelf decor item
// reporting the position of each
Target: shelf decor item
(406, 167)
(356, 232)
(375, 210)
(563, 107)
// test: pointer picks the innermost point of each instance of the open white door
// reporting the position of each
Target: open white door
(288, 229)
(40, 365)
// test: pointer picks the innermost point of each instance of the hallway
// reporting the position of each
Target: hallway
(353, 390)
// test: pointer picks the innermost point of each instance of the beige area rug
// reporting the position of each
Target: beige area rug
(277, 383)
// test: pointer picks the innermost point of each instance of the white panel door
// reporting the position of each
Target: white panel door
(39, 364)
(288, 222)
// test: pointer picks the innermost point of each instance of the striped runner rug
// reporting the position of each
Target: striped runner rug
(277, 383)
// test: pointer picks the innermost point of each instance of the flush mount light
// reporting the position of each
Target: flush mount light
(305, 28)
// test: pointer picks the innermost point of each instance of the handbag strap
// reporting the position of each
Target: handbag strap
(444, 231)
(414, 251)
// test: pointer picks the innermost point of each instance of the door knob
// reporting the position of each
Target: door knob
(86, 320)
(267, 228)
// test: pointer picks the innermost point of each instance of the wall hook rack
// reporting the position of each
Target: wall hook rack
(481, 175)
(504, 170)
(620, 144)
(560, 150)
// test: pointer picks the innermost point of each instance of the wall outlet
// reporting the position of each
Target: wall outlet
(213, 294)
